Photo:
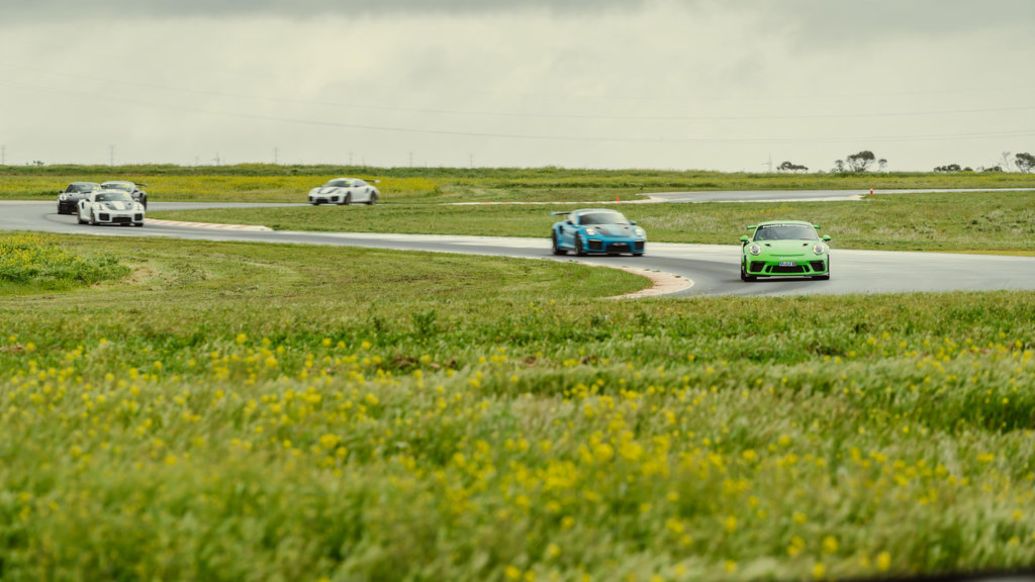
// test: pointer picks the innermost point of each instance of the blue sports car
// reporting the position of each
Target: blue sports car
(597, 231)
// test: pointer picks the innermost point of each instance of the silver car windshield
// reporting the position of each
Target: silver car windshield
(113, 197)
(82, 187)
(119, 186)
(786, 232)
(603, 218)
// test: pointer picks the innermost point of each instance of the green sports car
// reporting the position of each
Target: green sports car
(784, 248)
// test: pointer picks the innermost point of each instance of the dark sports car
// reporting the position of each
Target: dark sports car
(68, 200)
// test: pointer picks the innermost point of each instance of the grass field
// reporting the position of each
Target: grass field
(1003, 221)
(233, 411)
(268, 183)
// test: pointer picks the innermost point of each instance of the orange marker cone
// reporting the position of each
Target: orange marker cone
(618, 199)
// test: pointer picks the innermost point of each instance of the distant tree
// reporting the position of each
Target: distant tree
(1025, 162)
(839, 167)
(948, 168)
(993, 169)
(36, 163)
(860, 162)
(882, 164)
(792, 167)
(968, 169)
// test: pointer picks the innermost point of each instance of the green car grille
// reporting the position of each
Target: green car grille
(764, 268)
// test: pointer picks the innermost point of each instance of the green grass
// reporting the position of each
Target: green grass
(267, 183)
(234, 411)
(31, 262)
(991, 221)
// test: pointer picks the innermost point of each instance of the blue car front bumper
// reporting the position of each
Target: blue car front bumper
(608, 245)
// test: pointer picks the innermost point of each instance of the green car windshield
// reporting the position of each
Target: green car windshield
(786, 232)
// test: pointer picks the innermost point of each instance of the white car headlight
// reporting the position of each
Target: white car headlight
(819, 248)
(640, 232)
(591, 231)
(63, 197)
(755, 250)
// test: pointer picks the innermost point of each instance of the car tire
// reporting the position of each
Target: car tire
(557, 250)
(637, 254)
(139, 224)
(744, 275)
(579, 251)
(824, 277)
(347, 200)
(373, 200)
(79, 218)
(93, 218)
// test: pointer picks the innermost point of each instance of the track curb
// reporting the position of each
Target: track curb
(210, 225)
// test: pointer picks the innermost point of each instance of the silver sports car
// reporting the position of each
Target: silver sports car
(110, 207)
(344, 191)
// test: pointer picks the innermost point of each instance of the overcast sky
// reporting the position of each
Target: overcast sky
(708, 84)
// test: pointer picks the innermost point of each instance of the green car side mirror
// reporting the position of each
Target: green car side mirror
(815, 226)
(826, 238)
(744, 240)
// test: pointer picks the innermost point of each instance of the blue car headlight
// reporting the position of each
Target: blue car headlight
(640, 232)
(591, 231)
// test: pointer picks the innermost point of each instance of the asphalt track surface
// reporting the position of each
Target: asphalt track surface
(714, 269)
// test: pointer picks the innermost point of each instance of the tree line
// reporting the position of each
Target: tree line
(866, 160)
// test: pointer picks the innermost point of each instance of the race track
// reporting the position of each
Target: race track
(712, 268)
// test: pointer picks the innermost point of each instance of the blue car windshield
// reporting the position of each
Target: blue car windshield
(786, 232)
(608, 217)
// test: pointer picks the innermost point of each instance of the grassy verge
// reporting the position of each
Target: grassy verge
(234, 411)
(266, 183)
(33, 262)
(991, 221)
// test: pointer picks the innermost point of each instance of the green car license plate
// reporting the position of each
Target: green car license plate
(788, 264)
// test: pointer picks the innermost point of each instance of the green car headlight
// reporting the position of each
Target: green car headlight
(755, 250)
(819, 249)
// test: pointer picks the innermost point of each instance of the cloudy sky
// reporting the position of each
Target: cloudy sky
(711, 84)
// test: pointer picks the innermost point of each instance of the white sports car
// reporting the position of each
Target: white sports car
(344, 191)
(110, 207)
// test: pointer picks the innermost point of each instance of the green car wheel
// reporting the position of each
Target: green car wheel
(743, 274)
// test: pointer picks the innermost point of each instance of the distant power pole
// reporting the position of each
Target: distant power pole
(276, 156)
(3, 155)
(411, 159)
(217, 160)
(1006, 161)
(470, 160)
(770, 164)
(111, 155)
(350, 158)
